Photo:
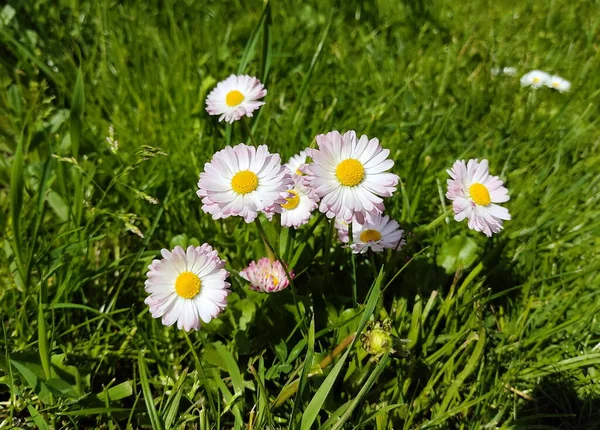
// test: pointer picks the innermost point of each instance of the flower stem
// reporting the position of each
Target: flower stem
(435, 222)
(248, 131)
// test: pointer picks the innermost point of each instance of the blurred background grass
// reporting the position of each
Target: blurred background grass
(509, 340)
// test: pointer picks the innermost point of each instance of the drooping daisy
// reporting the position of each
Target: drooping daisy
(559, 84)
(187, 286)
(474, 194)
(349, 175)
(235, 97)
(342, 228)
(266, 276)
(243, 181)
(535, 79)
(378, 232)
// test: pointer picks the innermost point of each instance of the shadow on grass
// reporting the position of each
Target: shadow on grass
(557, 404)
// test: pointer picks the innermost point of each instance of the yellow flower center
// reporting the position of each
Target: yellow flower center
(370, 236)
(536, 80)
(187, 285)
(299, 173)
(480, 194)
(244, 182)
(555, 84)
(350, 172)
(234, 98)
(275, 280)
(292, 202)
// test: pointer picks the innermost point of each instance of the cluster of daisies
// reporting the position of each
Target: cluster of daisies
(536, 79)
(345, 177)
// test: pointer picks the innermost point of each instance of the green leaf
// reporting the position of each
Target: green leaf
(460, 251)
(39, 421)
(43, 341)
(118, 392)
(14, 100)
(174, 401)
(77, 110)
(148, 399)
(16, 205)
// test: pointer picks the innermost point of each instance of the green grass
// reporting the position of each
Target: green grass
(504, 340)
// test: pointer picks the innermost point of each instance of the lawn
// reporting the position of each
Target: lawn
(104, 133)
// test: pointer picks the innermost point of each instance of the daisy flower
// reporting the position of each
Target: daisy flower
(298, 207)
(235, 97)
(296, 162)
(242, 181)
(349, 175)
(187, 286)
(507, 71)
(535, 79)
(342, 229)
(266, 276)
(559, 84)
(474, 194)
(378, 232)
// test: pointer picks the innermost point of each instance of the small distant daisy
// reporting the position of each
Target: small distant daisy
(235, 97)
(349, 175)
(377, 233)
(296, 161)
(187, 286)
(266, 276)
(507, 71)
(559, 84)
(298, 207)
(474, 194)
(535, 79)
(242, 181)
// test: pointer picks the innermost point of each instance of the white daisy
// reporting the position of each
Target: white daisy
(266, 276)
(187, 286)
(243, 181)
(378, 232)
(474, 194)
(509, 71)
(299, 206)
(342, 228)
(235, 97)
(559, 84)
(535, 79)
(295, 162)
(349, 175)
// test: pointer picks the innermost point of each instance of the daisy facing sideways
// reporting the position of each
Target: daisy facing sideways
(559, 84)
(266, 276)
(349, 175)
(187, 286)
(235, 97)
(475, 194)
(535, 79)
(296, 161)
(298, 207)
(377, 233)
(243, 181)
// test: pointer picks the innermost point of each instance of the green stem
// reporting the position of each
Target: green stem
(263, 235)
(433, 224)
(353, 261)
(247, 130)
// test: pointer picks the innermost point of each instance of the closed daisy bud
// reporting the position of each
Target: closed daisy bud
(266, 276)
(475, 194)
(378, 340)
(350, 175)
(559, 84)
(535, 79)
(243, 181)
(187, 286)
(235, 97)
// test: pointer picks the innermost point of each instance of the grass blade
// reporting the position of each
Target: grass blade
(148, 399)
(77, 110)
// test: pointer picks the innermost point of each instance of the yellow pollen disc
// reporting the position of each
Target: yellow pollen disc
(536, 80)
(244, 182)
(480, 194)
(234, 98)
(292, 202)
(299, 173)
(370, 236)
(350, 172)
(275, 280)
(555, 84)
(187, 285)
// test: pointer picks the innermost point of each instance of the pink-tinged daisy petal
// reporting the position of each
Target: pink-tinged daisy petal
(235, 97)
(349, 175)
(266, 276)
(253, 181)
(474, 194)
(376, 232)
(173, 294)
